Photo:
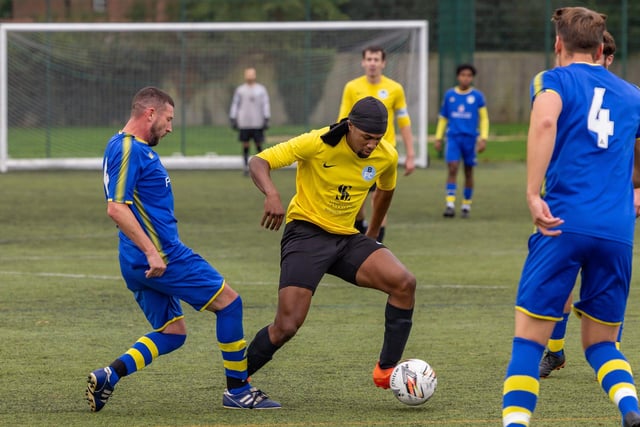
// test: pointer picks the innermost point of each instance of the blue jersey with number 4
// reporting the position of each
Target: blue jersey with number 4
(588, 182)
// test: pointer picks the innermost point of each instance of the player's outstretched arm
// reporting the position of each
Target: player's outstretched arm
(274, 212)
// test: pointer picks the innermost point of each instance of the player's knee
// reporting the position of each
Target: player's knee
(283, 330)
(406, 287)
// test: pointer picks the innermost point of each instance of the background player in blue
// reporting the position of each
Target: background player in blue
(157, 267)
(462, 114)
(582, 156)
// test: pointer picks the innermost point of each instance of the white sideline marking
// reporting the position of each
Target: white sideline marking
(274, 283)
(65, 275)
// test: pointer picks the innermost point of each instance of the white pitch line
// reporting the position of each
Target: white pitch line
(64, 275)
(274, 283)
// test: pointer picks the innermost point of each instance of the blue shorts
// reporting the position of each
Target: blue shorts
(551, 269)
(461, 147)
(188, 277)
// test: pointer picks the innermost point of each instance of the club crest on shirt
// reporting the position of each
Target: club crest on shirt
(383, 94)
(151, 156)
(471, 99)
(368, 173)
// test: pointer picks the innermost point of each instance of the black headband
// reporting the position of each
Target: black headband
(369, 115)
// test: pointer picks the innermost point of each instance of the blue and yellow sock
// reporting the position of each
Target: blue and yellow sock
(451, 193)
(521, 384)
(556, 342)
(230, 335)
(614, 375)
(467, 194)
(144, 351)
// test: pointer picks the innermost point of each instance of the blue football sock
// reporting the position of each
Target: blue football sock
(522, 383)
(614, 375)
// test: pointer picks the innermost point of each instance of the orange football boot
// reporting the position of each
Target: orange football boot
(382, 377)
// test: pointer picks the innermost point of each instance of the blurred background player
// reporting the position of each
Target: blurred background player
(250, 113)
(462, 113)
(374, 83)
(554, 357)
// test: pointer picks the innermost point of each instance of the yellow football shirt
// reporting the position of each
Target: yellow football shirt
(332, 182)
(388, 91)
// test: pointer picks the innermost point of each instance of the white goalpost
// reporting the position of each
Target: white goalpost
(65, 88)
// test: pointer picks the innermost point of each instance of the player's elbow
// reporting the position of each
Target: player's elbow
(114, 210)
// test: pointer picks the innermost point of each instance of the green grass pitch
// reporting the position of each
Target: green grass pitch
(65, 309)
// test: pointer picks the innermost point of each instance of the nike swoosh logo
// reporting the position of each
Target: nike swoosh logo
(325, 165)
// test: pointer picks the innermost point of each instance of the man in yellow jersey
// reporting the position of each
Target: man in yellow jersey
(336, 166)
(463, 112)
(374, 83)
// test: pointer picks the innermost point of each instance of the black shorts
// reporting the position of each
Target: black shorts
(247, 134)
(307, 252)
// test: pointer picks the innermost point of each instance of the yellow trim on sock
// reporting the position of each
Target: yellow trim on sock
(613, 365)
(450, 199)
(622, 390)
(239, 366)
(150, 345)
(233, 346)
(521, 383)
(137, 357)
(555, 346)
(516, 415)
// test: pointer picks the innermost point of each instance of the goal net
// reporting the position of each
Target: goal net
(66, 88)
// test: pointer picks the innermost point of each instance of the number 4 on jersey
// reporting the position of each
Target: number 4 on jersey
(598, 121)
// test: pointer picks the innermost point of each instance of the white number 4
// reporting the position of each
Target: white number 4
(598, 121)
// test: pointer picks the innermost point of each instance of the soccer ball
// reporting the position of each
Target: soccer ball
(413, 381)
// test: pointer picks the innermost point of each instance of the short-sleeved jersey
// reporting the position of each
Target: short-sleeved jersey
(134, 175)
(461, 109)
(388, 91)
(332, 182)
(588, 182)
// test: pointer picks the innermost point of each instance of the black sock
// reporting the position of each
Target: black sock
(119, 368)
(260, 351)
(233, 383)
(397, 327)
(245, 155)
(380, 235)
(258, 148)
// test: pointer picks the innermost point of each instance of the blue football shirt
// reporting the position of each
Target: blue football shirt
(134, 175)
(461, 111)
(588, 182)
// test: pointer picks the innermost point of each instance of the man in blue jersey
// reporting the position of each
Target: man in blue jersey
(157, 267)
(583, 137)
(464, 116)
(554, 357)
